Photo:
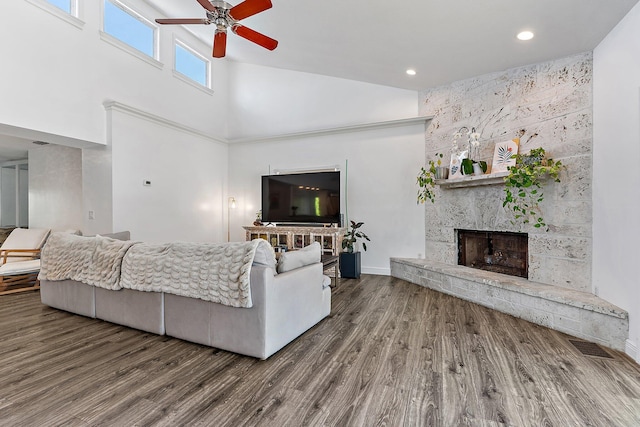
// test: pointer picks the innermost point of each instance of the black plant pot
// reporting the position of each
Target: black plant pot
(350, 265)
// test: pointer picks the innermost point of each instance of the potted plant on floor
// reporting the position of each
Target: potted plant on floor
(350, 261)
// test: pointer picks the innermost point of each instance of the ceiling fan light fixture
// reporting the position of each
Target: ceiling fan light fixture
(224, 16)
(525, 35)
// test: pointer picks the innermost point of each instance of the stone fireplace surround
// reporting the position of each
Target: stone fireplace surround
(552, 103)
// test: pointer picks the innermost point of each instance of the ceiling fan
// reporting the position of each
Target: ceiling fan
(224, 16)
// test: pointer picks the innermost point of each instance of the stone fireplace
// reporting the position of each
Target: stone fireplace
(500, 252)
(550, 106)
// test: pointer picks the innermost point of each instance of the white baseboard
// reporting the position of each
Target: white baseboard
(631, 349)
(377, 271)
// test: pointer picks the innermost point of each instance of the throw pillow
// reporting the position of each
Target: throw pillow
(295, 259)
(265, 257)
(120, 235)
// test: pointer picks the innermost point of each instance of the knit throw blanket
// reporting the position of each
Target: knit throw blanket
(217, 272)
(92, 260)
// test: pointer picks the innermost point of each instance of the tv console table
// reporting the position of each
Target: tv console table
(291, 238)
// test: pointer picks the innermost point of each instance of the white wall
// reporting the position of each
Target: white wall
(382, 166)
(188, 175)
(616, 175)
(97, 190)
(60, 75)
(57, 75)
(55, 187)
(8, 197)
(269, 101)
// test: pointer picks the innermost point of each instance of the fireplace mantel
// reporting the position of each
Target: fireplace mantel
(473, 180)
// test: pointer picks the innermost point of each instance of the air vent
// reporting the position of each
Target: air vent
(590, 349)
(40, 143)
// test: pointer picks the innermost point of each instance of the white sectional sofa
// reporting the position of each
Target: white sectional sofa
(284, 306)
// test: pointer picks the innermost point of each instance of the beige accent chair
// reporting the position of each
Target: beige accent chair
(20, 260)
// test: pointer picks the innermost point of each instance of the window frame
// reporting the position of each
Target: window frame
(74, 17)
(121, 44)
(207, 87)
(73, 5)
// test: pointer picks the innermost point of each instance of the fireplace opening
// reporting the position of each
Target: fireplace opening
(497, 251)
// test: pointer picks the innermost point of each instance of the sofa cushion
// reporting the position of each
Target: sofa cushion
(265, 257)
(295, 259)
(22, 267)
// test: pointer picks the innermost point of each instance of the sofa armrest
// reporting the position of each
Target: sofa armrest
(294, 302)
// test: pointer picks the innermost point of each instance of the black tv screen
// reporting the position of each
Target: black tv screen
(301, 198)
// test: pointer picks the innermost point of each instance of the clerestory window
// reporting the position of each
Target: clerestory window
(65, 5)
(130, 27)
(192, 65)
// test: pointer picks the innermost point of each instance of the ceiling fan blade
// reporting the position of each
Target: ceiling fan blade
(254, 36)
(183, 21)
(248, 8)
(207, 5)
(219, 44)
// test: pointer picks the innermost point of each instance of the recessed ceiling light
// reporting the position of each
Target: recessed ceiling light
(525, 35)
(411, 72)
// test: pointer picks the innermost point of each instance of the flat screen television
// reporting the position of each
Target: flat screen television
(305, 198)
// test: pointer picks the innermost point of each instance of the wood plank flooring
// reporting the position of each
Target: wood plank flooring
(391, 354)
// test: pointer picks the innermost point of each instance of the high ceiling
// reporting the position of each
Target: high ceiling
(443, 40)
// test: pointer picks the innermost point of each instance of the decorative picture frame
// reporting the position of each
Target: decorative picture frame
(455, 170)
(504, 155)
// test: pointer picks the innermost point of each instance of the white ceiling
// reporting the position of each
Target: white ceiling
(443, 40)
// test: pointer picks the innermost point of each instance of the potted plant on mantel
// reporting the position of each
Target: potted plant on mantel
(350, 261)
(523, 185)
(427, 179)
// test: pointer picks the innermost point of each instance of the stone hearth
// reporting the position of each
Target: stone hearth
(577, 313)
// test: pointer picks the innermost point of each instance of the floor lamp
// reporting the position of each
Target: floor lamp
(231, 204)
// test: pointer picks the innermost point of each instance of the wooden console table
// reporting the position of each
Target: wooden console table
(332, 262)
(292, 238)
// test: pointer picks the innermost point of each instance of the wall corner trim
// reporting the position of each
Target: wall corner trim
(631, 350)
(337, 130)
(110, 105)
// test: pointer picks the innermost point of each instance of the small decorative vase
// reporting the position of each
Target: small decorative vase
(442, 172)
(477, 169)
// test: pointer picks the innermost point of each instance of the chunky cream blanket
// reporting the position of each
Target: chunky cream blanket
(217, 272)
(92, 260)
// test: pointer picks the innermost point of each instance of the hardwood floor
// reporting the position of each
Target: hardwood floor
(392, 353)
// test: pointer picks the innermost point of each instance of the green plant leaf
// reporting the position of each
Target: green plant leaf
(529, 172)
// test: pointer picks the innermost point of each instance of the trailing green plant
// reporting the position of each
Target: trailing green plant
(523, 185)
(427, 180)
(352, 235)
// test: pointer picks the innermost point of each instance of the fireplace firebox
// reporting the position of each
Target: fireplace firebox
(497, 251)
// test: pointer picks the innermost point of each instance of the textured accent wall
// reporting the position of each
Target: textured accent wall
(55, 187)
(552, 102)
